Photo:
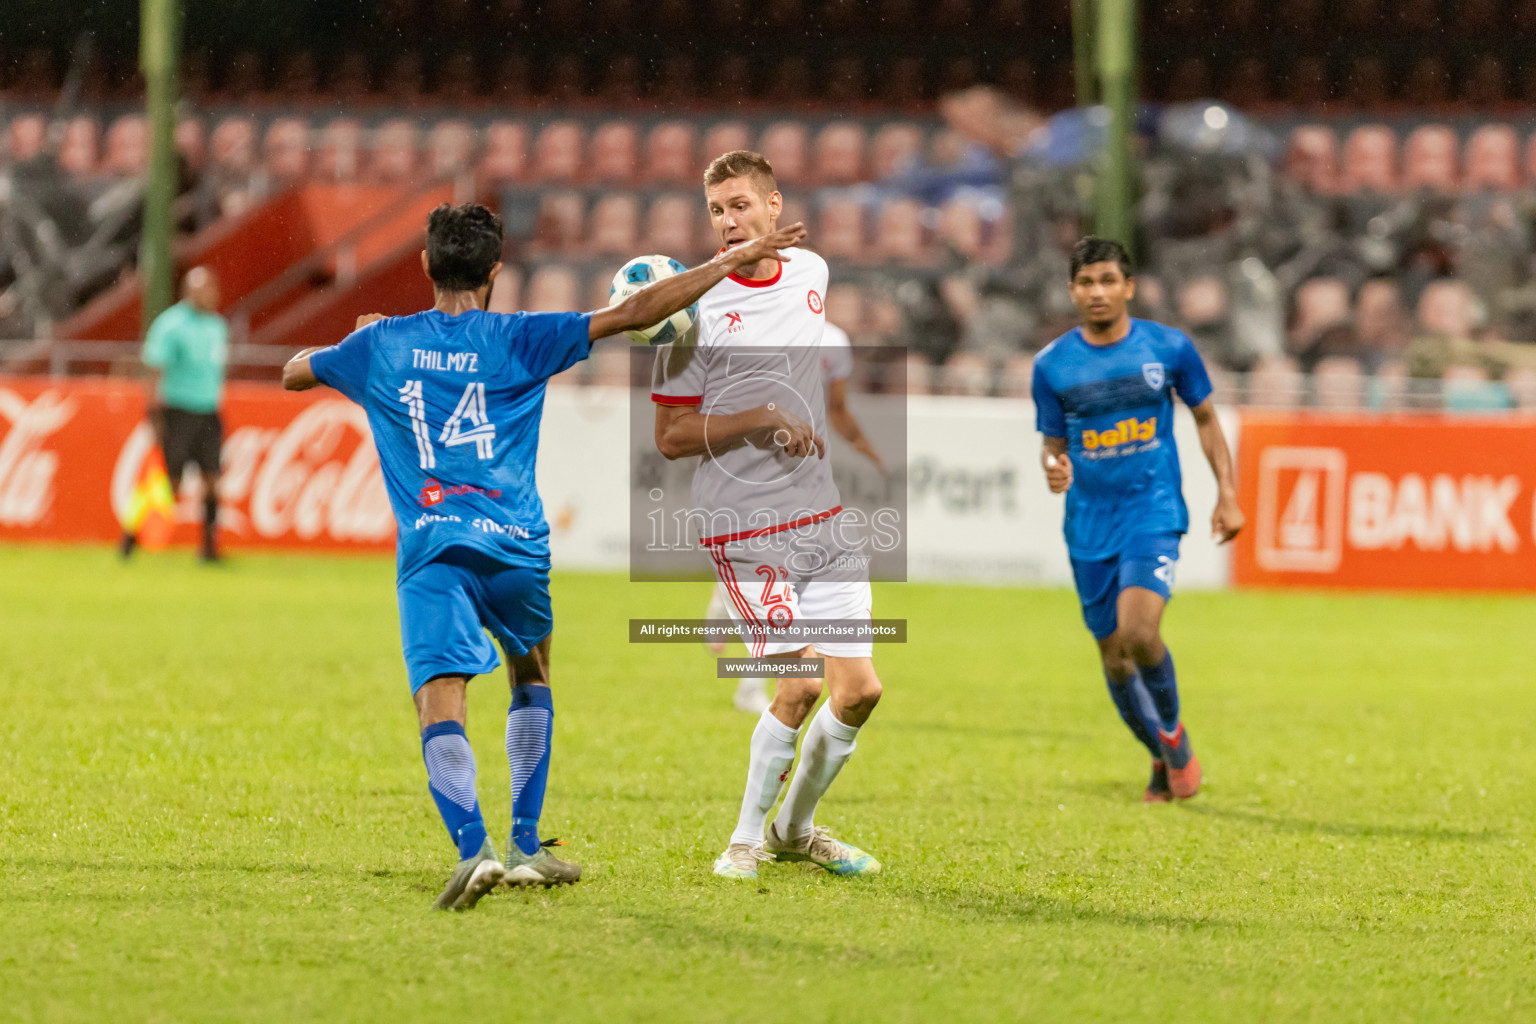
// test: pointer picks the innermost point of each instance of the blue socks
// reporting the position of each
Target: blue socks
(451, 781)
(530, 721)
(1162, 684)
(1138, 711)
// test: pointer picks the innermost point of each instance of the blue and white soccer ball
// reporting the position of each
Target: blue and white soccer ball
(637, 274)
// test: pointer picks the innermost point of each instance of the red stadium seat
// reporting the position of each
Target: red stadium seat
(1430, 157)
(615, 225)
(1380, 319)
(784, 144)
(1530, 159)
(614, 153)
(394, 151)
(557, 154)
(126, 150)
(671, 226)
(191, 142)
(840, 153)
(1321, 303)
(1445, 308)
(341, 145)
(233, 145)
(450, 148)
(724, 138)
(25, 137)
(845, 308)
(919, 376)
(506, 291)
(1338, 382)
(961, 227)
(895, 147)
(1203, 300)
(669, 154)
(552, 289)
(561, 215)
(285, 150)
(840, 231)
(77, 150)
(506, 152)
(1370, 160)
(1492, 159)
(899, 232)
(1312, 158)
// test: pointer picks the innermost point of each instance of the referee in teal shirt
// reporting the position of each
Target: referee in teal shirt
(186, 351)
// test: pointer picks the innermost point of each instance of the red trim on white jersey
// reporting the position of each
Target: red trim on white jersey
(765, 282)
(727, 576)
(766, 530)
(677, 399)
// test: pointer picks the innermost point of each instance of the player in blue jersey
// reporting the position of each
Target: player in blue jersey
(454, 396)
(1104, 401)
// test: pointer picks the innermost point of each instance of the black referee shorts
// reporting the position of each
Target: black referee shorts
(192, 438)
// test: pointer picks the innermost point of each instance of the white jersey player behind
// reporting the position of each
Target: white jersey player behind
(751, 416)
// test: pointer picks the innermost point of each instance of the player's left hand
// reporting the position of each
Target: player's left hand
(368, 318)
(1228, 520)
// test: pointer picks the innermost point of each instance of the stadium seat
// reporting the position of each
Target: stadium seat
(1445, 308)
(895, 147)
(899, 232)
(840, 153)
(191, 142)
(506, 291)
(394, 151)
(597, 288)
(919, 376)
(232, 147)
(557, 154)
(784, 145)
(78, 147)
(341, 144)
(670, 227)
(561, 215)
(615, 225)
(1018, 375)
(611, 363)
(1202, 301)
(840, 230)
(285, 149)
(1338, 383)
(126, 150)
(1275, 383)
(845, 307)
(506, 152)
(298, 79)
(961, 227)
(450, 148)
(1381, 321)
(966, 373)
(669, 154)
(1521, 383)
(25, 136)
(1321, 303)
(614, 157)
(1492, 159)
(1370, 160)
(1387, 389)
(1312, 158)
(724, 137)
(1430, 159)
(552, 289)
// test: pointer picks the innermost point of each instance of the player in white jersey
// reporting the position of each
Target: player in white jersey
(836, 367)
(747, 401)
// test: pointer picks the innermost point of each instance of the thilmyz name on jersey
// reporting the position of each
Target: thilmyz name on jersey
(454, 362)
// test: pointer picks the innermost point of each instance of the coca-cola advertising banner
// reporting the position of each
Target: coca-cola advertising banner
(1388, 501)
(298, 470)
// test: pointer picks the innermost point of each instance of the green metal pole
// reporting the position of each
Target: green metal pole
(1086, 83)
(1116, 44)
(159, 46)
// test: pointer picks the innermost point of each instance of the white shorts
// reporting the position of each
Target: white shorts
(758, 590)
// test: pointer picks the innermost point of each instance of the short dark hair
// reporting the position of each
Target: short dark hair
(1093, 249)
(463, 243)
(741, 163)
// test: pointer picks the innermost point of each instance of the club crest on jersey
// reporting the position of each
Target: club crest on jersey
(1153, 374)
(733, 323)
(813, 300)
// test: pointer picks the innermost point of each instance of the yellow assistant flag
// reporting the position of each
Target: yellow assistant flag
(150, 513)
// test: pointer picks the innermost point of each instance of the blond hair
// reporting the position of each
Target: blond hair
(741, 163)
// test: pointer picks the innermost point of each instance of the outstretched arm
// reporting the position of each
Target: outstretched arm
(654, 303)
(1228, 519)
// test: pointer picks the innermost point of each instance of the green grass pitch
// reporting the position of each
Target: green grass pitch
(214, 809)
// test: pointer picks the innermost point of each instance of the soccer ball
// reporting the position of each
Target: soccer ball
(637, 274)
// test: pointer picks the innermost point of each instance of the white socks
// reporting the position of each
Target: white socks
(773, 751)
(827, 747)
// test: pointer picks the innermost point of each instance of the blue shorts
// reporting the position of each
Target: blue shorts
(1146, 561)
(447, 605)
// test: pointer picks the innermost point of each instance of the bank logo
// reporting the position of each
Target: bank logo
(1300, 524)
